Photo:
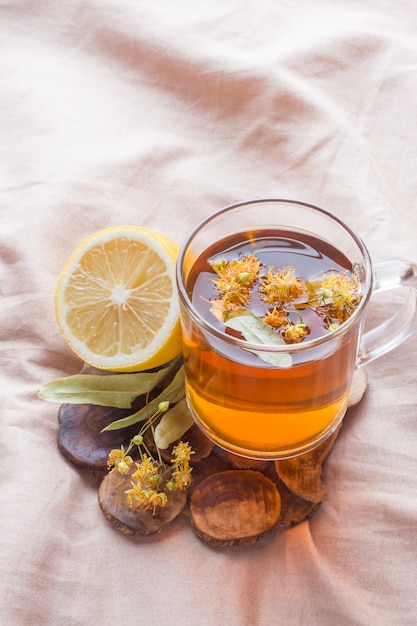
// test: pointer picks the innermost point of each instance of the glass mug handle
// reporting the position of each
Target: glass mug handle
(391, 275)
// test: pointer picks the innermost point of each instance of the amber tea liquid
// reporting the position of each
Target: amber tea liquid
(244, 404)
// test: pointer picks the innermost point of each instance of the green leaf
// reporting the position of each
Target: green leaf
(256, 330)
(174, 423)
(114, 390)
(174, 392)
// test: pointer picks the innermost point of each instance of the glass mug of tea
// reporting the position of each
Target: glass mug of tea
(273, 296)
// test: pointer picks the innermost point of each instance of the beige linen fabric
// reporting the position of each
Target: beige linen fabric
(158, 113)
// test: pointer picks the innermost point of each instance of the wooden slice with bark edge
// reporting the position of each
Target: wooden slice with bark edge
(80, 438)
(234, 508)
(294, 509)
(200, 471)
(112, 501)
(302, 474)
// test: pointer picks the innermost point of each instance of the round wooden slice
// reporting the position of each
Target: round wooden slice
(203, 469)
(303, 474)
(294, 509)
(112, 497)
(234, 508)
(80, 438)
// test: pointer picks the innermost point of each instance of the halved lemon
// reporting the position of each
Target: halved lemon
(116, 301)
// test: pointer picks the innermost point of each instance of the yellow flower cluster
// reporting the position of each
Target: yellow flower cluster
(334, 297)
(295, 333)
(282, 286)
(181, 472)
(235, 279)
(339, 296)
(120, 459)
(151, 478)
(144, 493)
(279, 289)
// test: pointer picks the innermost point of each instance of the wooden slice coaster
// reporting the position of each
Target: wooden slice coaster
(201, 470)
(294, 509)
(80, 438)
(234, 508)
(112, 497)
(302, 474)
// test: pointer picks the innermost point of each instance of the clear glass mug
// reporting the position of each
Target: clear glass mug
(247, 405)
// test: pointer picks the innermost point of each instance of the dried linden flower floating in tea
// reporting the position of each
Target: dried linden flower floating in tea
(245, 286)
(236, 279)
(281, 287)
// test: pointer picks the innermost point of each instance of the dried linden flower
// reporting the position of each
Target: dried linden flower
(235, 278)
(119, 458)
(181, 475)
(334, 298)
(339, 296)
(148, 481)
(282, 286)
(295, 333)
(276, 317)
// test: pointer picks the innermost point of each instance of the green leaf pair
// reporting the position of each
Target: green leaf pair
(114, 390)
(117, 391)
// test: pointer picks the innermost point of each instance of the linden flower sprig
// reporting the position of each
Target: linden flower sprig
(282, 286)
(338, 296)
(235, 279)
(295, 333)
(279, 289)
(333, 297)
(149, 480)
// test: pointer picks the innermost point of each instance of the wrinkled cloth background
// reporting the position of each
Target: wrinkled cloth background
(157, 114)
